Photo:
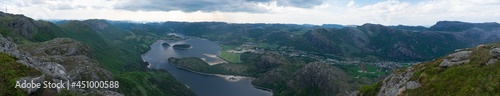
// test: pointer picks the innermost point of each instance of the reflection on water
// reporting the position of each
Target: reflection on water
(202, 85)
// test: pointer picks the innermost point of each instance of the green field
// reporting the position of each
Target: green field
(230, 57)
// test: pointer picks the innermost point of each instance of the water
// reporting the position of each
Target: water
(202, 85)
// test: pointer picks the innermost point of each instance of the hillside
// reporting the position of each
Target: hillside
(93, 43)
(55, 67)
(470, 71)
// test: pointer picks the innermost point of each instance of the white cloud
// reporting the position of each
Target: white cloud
(391, 12)
(351, 3)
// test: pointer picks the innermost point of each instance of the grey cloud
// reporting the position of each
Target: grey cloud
(59, 5)
(300, 3)
(211, 5)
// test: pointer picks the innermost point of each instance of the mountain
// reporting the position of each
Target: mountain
(52, 60)
(457, 26)
(470, 71)
(394, 44)
(86, 50)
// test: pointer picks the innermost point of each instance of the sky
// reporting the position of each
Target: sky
(345, 12)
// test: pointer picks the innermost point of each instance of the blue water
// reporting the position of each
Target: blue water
(201, 85)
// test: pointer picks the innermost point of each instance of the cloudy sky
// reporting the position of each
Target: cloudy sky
(346, 12)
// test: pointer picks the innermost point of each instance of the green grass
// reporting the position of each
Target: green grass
(472, 78)
(370, 90)
(10, 72)
(230, 57)
(469, 79)
(152, 83)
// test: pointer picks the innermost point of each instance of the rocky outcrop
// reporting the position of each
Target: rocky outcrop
(459, 71)
(456, 59)
(51, 69)
(398, 82)
(62, 60)
(72, 55)
(495, 55)
(328, 80)
(38, 80)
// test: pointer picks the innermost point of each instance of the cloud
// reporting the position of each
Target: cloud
(250, 6)
(351, 3)
(386, 12)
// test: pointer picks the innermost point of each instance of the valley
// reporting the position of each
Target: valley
(207, 58)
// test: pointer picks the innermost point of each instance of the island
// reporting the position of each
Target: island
(182, 46)
(165, 45)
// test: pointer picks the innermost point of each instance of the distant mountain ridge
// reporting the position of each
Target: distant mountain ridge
(456, 26)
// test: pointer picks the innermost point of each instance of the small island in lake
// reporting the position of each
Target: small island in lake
(182, 46)
(165, 45)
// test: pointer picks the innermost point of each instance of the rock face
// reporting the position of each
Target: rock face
(325, 78)
(51, 69)
(35, 80)
(60, 59)
(397, 82)
(456, 59)
(495, 54)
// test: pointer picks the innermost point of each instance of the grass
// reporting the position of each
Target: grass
(230, 57)
(472, 78)
(152, 83)
(10, 72)
(370, 90)
(468, 79)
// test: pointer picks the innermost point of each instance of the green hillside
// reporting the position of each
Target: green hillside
(478, 74)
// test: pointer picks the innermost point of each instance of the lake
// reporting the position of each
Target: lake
(200, 84)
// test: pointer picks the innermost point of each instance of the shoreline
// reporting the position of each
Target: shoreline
(219, 75)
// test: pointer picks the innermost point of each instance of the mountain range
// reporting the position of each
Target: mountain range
(112, 50)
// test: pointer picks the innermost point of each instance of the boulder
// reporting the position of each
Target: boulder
(456, 59)
(495, 52)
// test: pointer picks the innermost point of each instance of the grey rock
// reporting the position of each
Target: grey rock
(397, 82)
(491, 61)
(495, 52)
(412, 85)
(38, 80)
(456, 59)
